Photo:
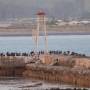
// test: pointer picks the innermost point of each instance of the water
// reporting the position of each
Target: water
(76, 43)
(26, 84)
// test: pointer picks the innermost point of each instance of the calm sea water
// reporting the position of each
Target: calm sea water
(77, 43)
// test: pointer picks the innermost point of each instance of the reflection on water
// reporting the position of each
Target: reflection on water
(26, 84)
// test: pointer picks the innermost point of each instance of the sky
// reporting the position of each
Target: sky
(54, 8)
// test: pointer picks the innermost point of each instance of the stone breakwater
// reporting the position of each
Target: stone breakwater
(60, 74)
(73, 69)
(11, 66)
(11, 72)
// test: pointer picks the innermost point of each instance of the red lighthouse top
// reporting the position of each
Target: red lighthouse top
(40, 13)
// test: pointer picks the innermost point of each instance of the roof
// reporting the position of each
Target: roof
(40, 13)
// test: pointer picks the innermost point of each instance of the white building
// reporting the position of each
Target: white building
(73, 22)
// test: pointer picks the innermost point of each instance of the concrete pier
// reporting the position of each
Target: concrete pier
(11, 66)
(72, 76)
(69, 69)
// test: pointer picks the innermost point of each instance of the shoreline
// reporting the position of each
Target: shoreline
(49, 34)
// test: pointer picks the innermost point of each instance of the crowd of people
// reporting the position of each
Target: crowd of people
(57, 52)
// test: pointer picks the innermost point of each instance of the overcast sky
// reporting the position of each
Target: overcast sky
(56, 8)
(33, 2)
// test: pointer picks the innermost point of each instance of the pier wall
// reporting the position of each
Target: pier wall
(11, 66)
(71, 70)
(82, 62)
(11, 72)
(77, 77)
